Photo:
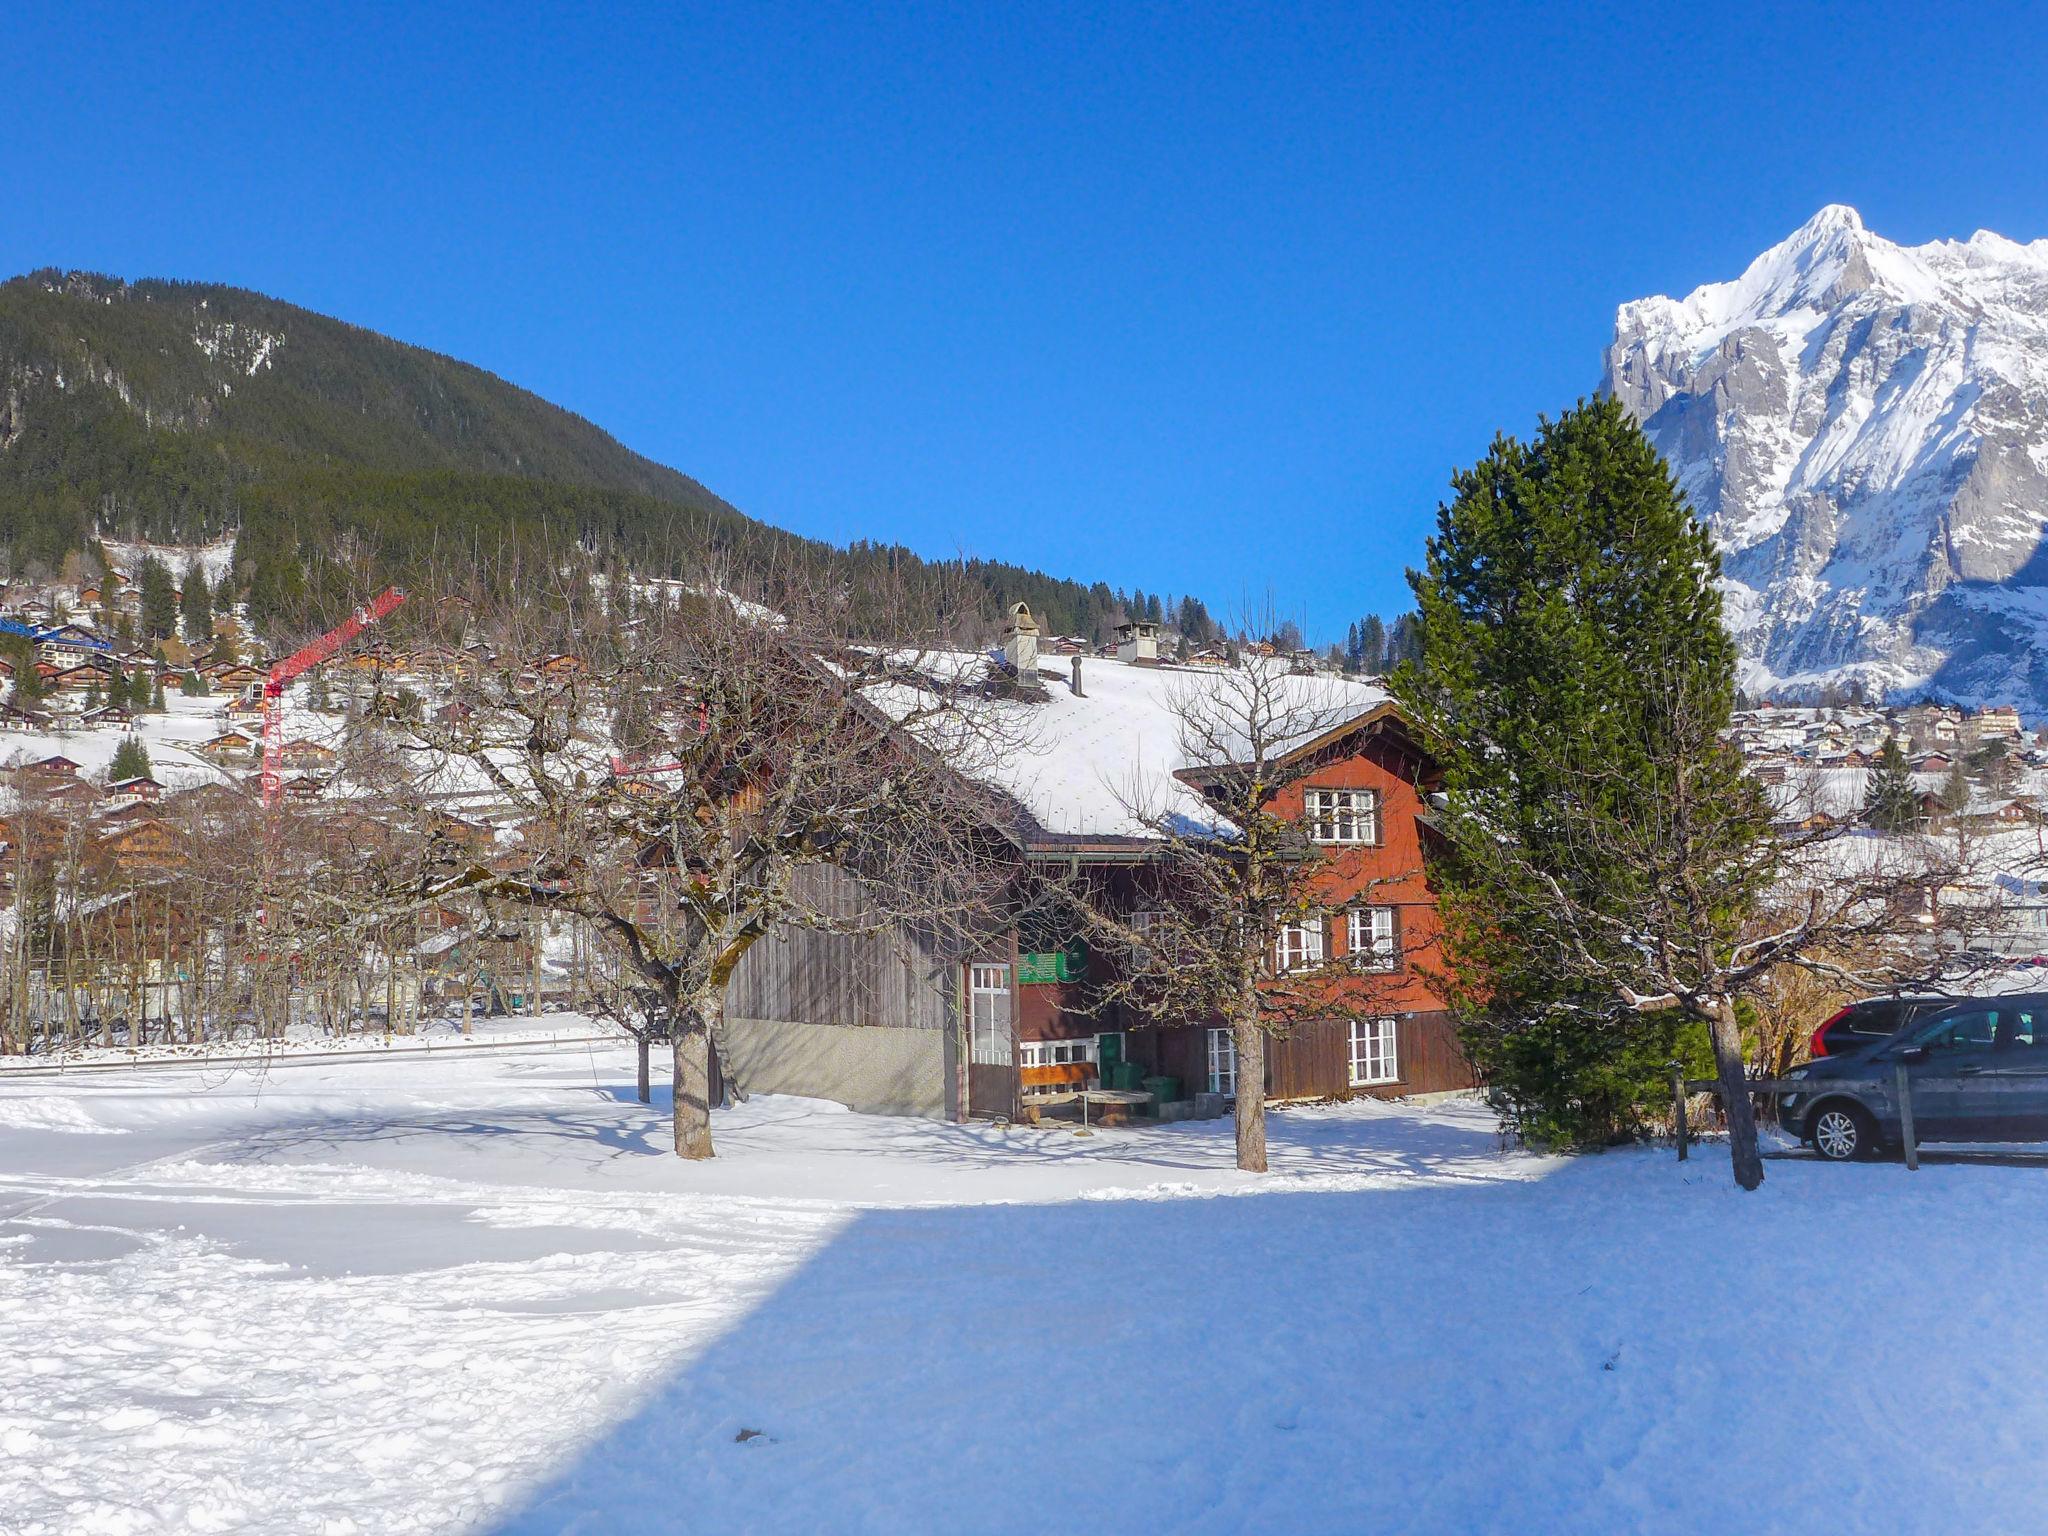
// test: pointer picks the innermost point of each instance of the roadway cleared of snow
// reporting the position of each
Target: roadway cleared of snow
(468, 1293)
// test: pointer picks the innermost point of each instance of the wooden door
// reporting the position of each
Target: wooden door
(991, 1042)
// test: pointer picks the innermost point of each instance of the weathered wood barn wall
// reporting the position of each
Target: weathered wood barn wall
(869, 1021)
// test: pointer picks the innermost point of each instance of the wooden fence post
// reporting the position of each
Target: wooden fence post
(1678, 1105)
(1906, 1138)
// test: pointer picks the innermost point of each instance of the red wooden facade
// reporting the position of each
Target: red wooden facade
(1388, 1034)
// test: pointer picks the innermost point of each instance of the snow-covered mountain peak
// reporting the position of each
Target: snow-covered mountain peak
(1865, 426)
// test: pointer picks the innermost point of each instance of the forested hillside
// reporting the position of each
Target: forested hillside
(178, 412)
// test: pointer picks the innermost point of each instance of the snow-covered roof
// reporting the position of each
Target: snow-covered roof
(1103, 764)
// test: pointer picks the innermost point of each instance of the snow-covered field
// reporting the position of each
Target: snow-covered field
(466, 1292)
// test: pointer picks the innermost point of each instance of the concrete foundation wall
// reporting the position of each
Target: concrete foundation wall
(875, 1068)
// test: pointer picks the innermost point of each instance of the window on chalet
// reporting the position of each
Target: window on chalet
(1222, 1063)
(1299, 945)
(1343, 816)
(1147, 924)
(1373, 1053)
(989, 1015)
(1372, 940)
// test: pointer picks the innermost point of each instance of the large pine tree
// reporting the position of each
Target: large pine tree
(159, 600)
(195, 606)
(1890, 802)
(1575, 680)
(131, 760)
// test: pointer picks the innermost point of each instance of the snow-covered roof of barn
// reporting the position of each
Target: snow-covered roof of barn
(1104, 763)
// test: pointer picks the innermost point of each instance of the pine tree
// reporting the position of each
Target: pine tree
(1955, 790)
(1890, 803)
(131, 760)
(191, 684)
(156, 694)
(195, 606)
(28, 682)
(1404, 642)
(1372, 645)
(159, 600)
(1572, 673)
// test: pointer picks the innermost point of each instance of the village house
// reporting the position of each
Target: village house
(894, 1024)
(228, 749)
(1998, 723)
(233, 676)
(137, 844)
(301, 753)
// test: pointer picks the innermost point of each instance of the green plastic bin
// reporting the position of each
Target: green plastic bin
(1164, 1090)
(1126, 1075)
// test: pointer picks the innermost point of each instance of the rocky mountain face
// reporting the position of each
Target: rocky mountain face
(1865, 427)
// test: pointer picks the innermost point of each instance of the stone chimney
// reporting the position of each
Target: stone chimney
(1137, 643)
(1020, 644)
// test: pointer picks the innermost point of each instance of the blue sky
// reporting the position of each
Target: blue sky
(1189, 299)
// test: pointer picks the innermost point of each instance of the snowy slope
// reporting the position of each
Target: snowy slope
(1865, 426)
(472, 1295)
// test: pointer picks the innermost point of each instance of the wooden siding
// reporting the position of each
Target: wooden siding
(1313, 1061)
(1388, 873)
(804, 976)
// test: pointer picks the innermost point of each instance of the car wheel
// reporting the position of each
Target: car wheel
(1842, 1133)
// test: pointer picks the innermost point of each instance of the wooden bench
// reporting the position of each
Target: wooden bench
(1065, 1078)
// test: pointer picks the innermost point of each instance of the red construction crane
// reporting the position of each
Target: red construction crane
(310, 656)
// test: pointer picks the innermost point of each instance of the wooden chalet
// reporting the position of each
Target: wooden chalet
(140, 843)
(894, 1025)
(228, 748)
(232, 676)
(83, 678)
(301, 753)
(141, 787)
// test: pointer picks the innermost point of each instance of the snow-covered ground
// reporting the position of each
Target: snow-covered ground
(467, 1292)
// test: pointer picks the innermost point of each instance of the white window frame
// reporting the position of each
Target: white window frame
(1223, 1063)
(990, 1040)
(1373, 938)
(1298, 946)
(1343, 817)
(1147, 923)
(1375, 1052)
(1057, 1053)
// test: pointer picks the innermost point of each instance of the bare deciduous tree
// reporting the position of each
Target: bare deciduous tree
(1233, 876)
(666, 763)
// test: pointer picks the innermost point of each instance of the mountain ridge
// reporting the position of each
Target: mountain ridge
(175, 411)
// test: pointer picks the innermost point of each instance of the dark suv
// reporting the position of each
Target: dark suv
(1863, 1024)
(1977, 1070)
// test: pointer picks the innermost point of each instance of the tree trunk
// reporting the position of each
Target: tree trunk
(692, 1044)
(1251, 1095)
(1728, 1068)
(646, 1093)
